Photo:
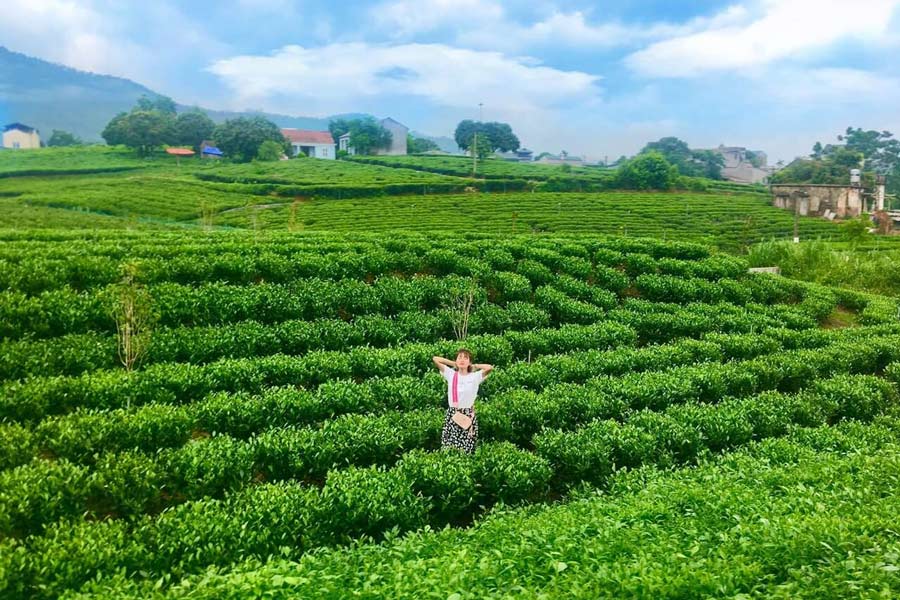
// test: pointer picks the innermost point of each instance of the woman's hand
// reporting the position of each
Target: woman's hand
(484, 368)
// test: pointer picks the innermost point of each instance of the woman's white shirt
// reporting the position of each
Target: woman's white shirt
(466, 387)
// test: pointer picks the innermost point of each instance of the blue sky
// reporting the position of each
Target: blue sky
(595, 78)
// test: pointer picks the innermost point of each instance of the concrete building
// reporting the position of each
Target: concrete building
(398, 132)
(819, 200)
(739, 164)
(314, 144)
(19, 136)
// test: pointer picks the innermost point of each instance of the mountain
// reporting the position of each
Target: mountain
(49, 96)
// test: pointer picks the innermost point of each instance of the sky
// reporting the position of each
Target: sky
(598, 79)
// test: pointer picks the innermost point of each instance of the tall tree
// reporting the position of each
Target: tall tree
(367, 134)
(163, 104)
(880, 149)
(694, 163)
(500, 136)
(647, 171)
(193, 127)
(240, 138)
(338, 127)
(142, 130)
(63, 138)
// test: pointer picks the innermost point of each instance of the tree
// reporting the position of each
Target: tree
(647, 171)
(61, 138)
(240, 138)
(367, 135)
(193, 127)
(163, 104)
(833, 168)
(499, 135)
(270, 151)
(674, 150)
(142, 130)
(693, 163)
(706, 163)
(338, 127)
(417, 145)
(817, 151)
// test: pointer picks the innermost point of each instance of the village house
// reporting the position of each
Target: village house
(744, 166)
(314, 144)
(19, 136)
(398, 132)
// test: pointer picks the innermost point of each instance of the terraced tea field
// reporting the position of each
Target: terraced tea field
(287, 407)
(730, 221)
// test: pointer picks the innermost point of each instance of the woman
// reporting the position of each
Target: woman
(463, 378)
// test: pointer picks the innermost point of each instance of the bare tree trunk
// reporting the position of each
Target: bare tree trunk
(461, 305)
(134, 319)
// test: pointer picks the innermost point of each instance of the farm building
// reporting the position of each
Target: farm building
(398, 139)
(314, 144)
(19, 136)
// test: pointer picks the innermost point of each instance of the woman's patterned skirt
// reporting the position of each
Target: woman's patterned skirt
(454, 436)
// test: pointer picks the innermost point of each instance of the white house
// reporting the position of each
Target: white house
(315, 144)
(398, 139)
(18, 136)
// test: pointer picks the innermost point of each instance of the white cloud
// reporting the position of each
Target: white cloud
(826, 87)
(349, 76)
(94, 35)
(575, 30)
(484, 24)
(404, 18)
(785, 29)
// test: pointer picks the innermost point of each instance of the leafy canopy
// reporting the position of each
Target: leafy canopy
(500, 136)
(240, 138)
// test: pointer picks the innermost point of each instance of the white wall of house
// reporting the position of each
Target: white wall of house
(315, 150)
(18, 139)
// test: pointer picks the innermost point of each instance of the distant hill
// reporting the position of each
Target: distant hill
(51, 96)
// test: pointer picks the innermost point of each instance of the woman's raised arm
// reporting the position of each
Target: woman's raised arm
(440, 362)
(485, 369)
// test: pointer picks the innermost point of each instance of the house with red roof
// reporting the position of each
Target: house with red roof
(315, 144)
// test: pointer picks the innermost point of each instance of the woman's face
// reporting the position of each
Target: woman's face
(462, 362)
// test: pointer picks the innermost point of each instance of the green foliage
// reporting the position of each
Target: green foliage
(366, 134)
(158, 103)
(241, 138)
(691, 163)
(418, 145)
(270, 151)
(141, 130)
(62, 139)
(647, 171)
(288, 404)
(499, 136)
(193, 127)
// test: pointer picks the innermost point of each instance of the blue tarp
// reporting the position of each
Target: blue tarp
(212, 150)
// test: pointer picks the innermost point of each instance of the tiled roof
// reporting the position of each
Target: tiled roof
(304, 136)
(20, 127)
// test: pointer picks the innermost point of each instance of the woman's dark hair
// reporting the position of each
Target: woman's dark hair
(468, 354)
